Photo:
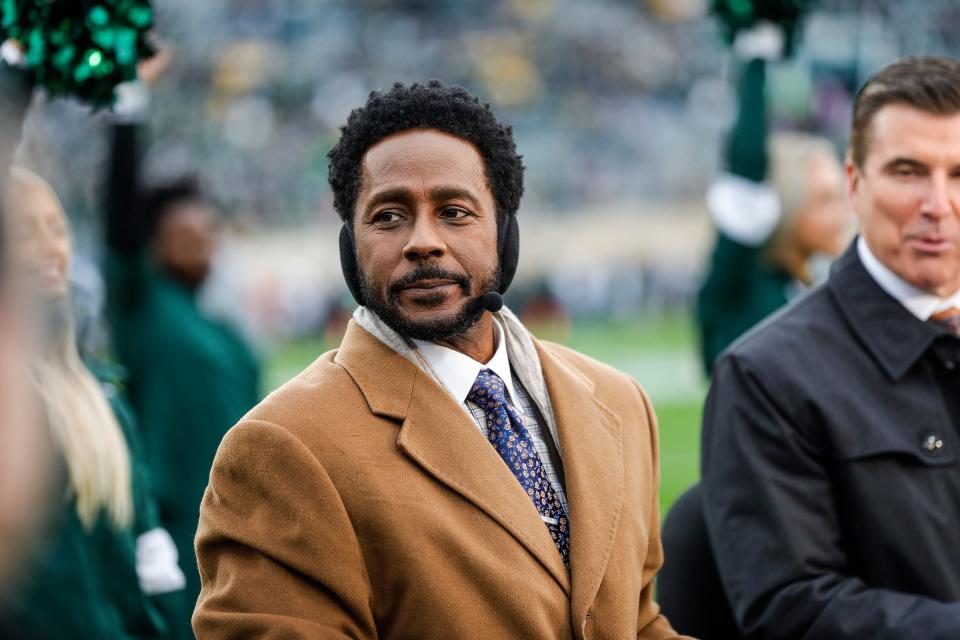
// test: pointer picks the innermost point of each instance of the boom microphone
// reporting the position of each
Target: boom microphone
(491, 301)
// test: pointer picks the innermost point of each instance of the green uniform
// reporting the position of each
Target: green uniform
(741, 289)
(84, 584)
(191, 379)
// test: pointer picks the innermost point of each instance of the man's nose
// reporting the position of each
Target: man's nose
(425, 239)
(941, 200)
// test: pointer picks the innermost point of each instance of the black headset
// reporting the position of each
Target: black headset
(508, 250)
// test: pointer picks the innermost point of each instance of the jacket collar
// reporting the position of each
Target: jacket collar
(895, 337)
(441, 438)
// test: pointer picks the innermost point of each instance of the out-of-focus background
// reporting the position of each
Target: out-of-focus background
(619, 107)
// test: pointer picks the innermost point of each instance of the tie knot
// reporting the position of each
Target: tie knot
(949, 318)
(487, 390)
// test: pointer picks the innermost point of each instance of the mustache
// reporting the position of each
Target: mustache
(428, 272)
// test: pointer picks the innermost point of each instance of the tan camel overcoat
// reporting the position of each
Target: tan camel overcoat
(360, 501)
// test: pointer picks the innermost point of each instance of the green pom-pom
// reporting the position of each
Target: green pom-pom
(82, 48)
(98, 18)
(739, 15)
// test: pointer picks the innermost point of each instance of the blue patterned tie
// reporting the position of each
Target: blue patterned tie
(509, 437)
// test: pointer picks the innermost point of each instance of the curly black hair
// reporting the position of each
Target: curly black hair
(450, 109)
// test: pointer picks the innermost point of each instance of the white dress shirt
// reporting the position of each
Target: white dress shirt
(920, 303)
(457, 372)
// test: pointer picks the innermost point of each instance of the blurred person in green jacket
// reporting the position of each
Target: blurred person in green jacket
(779, 206)
(104, 568)
(191, 376)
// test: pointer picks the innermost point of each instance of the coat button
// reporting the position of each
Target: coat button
(932, 443)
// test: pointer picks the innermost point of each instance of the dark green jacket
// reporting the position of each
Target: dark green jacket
(741, 288)
(191, 379)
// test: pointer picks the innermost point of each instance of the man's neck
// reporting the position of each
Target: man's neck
(918, 301)
(478, 342)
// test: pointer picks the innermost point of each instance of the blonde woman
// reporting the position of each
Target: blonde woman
(779, 204)
(768, 235)
(107, 570)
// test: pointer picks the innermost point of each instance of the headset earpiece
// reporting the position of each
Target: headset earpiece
(348, 264)
(509, 252)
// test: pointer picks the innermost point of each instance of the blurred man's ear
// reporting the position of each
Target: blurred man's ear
(853, 178)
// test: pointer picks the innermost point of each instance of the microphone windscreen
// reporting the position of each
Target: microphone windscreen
(492, 301)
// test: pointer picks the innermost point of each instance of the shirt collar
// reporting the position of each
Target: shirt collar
(458, 371)
(920, 303)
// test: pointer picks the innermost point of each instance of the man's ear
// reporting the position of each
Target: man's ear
(852, 177)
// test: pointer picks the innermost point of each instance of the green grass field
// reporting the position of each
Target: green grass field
(659, 351)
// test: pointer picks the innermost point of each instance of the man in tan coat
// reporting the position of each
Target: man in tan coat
(442, 474)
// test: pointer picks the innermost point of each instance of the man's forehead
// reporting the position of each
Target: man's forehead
(421, 152)
(899, 128)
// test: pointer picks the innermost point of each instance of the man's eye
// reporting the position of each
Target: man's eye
(387, 216)
(905, 172)
(454, 213)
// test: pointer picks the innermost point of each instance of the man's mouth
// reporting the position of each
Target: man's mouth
(931, 243)
(431, 287)
(428, 284)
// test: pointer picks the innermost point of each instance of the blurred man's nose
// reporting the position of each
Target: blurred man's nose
(942, 197)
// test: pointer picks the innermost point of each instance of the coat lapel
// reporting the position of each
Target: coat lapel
(590, 438)
(443, 440)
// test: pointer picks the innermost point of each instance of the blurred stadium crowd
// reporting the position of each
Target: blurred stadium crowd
(620, 108)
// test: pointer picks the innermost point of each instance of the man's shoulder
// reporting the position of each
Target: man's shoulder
(323, 393)
(810, 327)
(603, 376)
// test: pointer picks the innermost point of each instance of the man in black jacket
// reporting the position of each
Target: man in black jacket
(831, 442)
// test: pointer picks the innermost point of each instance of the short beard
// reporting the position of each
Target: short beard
(429, 330)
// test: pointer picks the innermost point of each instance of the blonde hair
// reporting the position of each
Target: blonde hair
(791, 158)
(80, 418)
